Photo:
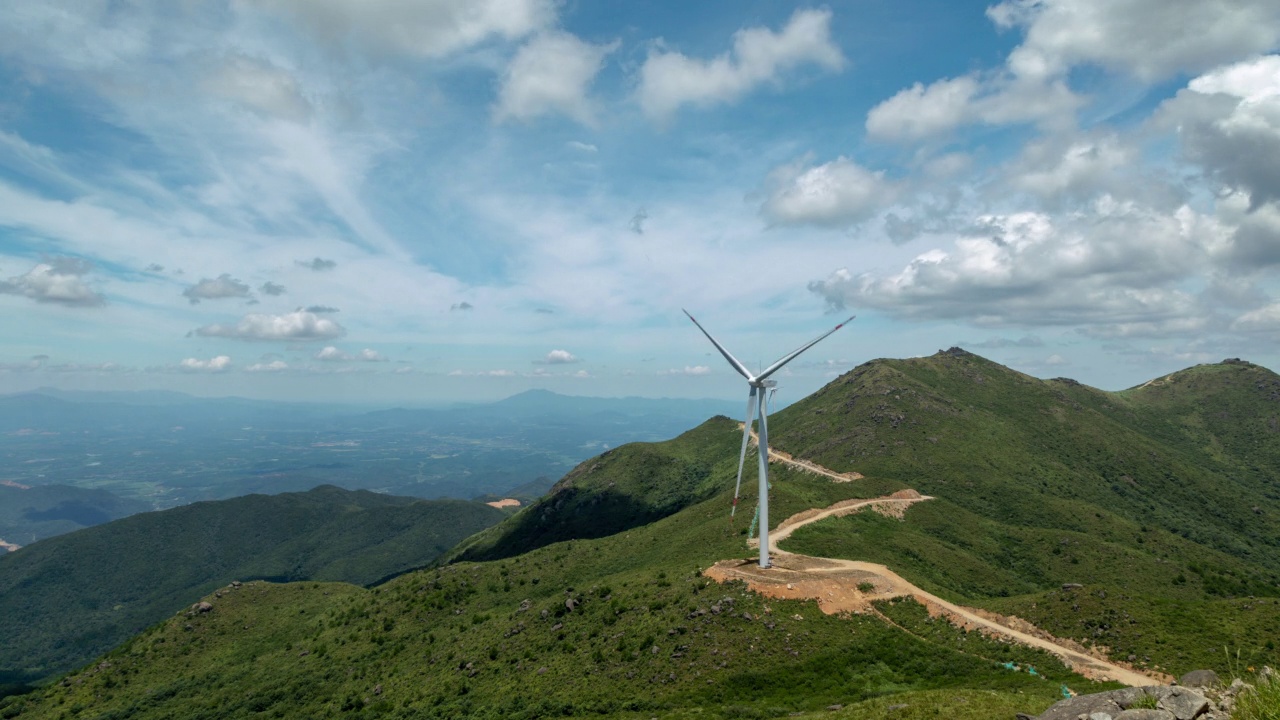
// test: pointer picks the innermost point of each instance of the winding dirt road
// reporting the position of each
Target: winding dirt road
(852, 586)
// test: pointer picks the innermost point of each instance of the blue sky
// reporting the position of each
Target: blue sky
(413, 202)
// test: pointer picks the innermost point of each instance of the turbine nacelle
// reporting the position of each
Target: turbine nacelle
(756, 406)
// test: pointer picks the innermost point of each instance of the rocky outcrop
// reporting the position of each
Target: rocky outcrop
(1176, 702)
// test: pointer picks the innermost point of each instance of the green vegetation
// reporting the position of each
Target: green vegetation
(1160, 500)
(69, 598)
(1260, 703)
(590, 601)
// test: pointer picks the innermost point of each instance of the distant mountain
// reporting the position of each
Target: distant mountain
(69, 598)
(30, 513)
(167, 449)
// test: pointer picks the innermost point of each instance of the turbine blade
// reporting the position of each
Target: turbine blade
(742, 369)
(794, 353)
(742, 456)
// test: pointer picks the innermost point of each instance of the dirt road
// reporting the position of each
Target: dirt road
(851, 586)
(777, 456)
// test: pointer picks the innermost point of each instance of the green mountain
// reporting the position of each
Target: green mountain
(1159, 501)
(67, 599)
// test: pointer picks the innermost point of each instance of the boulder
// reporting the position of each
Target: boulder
(1082, 706)
(1185, 704)
(1144, 714)
(1200, 678)
(201, 607)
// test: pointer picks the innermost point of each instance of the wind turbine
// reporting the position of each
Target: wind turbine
(756, 405)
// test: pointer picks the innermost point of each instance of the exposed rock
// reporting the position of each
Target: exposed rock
(201, 607)
(1071, 586)
(1144, 714)
(1200, 678)
(1172, 703)
(835, 707)
(570, 604)
(525, 605)
(1185, 704)
(1082, 706)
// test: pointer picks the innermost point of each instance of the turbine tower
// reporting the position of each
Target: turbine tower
(757, 405)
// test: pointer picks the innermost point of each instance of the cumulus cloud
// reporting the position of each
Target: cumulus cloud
(996, 98)
(321, 309)
(1228, 121)
(462, 306)
(270, 288)
(317, 264)
(59, 281)
(583, 147)
(691, 370)
(835, 194)
(259, 86)
(428, 29)
(1078, 169)
(482, 373)
(299, 325)
(669, 80)
(1149, 39)
(221, 287)
(551, 74)
(215, 364)
(332, 354)
(153, 268)
(1263, 319)
(558, 357)
(272, 366)
(1116, 267)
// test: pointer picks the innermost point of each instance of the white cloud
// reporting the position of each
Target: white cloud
(583, 147)
(551, 74)
(260, 86)
(1116, 267)
(1229, 123)
(1150, 39)
(482, 373)
(921, 111)
(215, 364)
(669, 80)
(1079, 169)
(558, 357)
(689, 370)
(298, 325)
(835, 194)
(224, 286)
(273, 366)
(58, 281)
(329, 353)
(425, 28)
(1263, 319)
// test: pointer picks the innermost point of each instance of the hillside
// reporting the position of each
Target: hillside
(1162, 499)
(66, 599)
(1159, 501)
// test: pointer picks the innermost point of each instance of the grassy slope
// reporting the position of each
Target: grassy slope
(454, 641)
(1161, 499)
(68, 598)
(1039, 483)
